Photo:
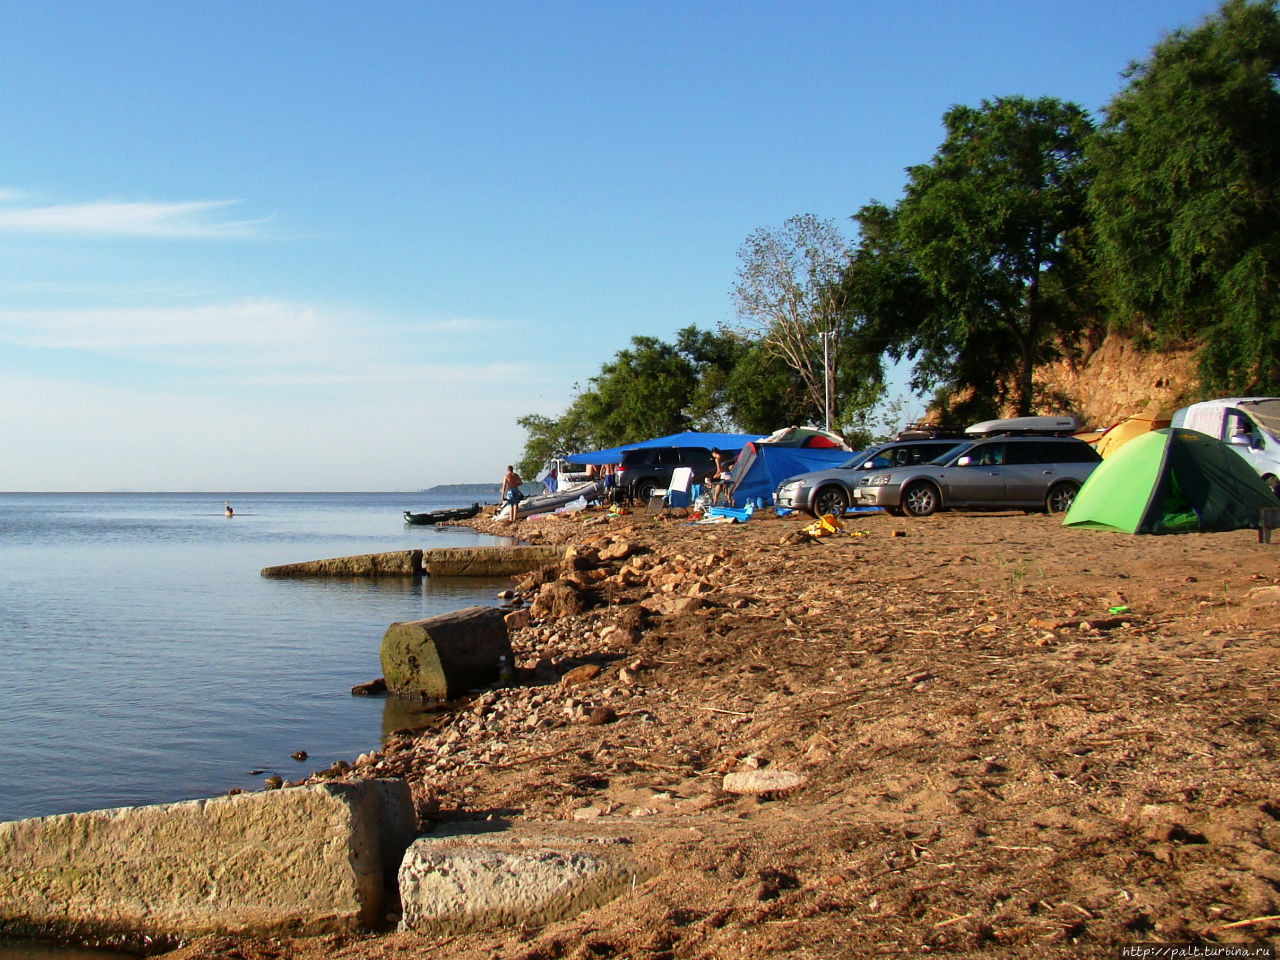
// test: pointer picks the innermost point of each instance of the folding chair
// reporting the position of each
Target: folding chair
(676, 494)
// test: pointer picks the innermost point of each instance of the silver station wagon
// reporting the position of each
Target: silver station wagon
(1031, 473)
(830, 490)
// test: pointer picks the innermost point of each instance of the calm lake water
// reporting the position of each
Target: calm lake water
(146, 661)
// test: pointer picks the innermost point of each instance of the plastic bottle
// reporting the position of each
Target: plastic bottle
(505, 673)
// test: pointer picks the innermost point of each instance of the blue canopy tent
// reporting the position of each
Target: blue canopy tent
(765, 465)
(728, 442)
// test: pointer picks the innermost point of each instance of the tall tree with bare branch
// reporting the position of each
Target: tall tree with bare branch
(789, 295)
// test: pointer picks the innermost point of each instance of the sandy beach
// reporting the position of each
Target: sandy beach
(1011, 739)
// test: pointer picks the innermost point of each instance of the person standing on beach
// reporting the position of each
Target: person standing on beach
(511, 489)
(719, 481)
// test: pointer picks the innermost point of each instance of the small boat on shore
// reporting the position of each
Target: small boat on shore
(549, 502)
(440, 516)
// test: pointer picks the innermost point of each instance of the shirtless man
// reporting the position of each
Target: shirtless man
(511, 489)
(719, 481)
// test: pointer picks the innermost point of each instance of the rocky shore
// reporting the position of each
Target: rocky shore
(977, 735)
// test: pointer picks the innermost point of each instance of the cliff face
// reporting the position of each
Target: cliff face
(1116, 379)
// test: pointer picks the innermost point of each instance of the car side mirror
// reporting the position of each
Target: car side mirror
(964, 461)
(869, 465)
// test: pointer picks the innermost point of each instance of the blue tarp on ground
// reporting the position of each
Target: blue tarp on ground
(728, 442)
(772, 464)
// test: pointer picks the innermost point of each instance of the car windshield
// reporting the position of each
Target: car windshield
(857, 460)
(955, 451)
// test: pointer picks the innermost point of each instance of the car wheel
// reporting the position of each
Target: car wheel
(644, 489)
(832, 500)
(920, 499)
(1060, 497)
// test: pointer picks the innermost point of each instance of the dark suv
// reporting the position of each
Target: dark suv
(643, 471)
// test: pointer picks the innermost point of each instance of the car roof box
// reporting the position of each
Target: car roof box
(929, 431)
(1026, 425)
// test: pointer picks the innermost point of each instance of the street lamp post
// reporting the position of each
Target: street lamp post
(826, 336)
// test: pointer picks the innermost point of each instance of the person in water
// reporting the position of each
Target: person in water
(229, 512)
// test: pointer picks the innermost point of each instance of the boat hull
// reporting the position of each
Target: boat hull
(441, 516)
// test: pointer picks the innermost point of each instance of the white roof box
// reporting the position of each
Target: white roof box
(1050, 425)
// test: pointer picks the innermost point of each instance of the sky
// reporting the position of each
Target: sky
(250, 245)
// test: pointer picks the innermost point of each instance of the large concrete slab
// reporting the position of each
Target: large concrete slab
(396, 563)
(443, 657)
(488, 561)
(304, 860)
(466, 880)
(498, 561)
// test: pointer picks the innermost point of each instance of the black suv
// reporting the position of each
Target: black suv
(648, 469)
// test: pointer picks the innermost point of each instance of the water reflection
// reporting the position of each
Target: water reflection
(406, 713)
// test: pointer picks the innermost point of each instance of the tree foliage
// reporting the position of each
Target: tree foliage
(983, 241)
(1004, 248)
(789, 296)
(1185, 198)
(648, 389)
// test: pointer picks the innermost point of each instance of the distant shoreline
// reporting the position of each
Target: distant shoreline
(463, 489)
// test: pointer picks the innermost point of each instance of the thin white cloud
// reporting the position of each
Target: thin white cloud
(270, 343)
(120, 218)
(247, 324)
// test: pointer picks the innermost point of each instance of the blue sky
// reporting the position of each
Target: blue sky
(342, 246)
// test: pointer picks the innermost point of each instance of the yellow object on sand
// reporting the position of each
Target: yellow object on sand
(824, 526)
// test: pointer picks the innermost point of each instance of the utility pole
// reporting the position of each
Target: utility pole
(826, 337)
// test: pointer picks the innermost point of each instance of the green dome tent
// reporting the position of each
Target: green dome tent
(1171, 481)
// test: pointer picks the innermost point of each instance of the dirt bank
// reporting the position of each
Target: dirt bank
(1015, 739)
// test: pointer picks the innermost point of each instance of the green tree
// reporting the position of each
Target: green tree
(644, 392)
(764, 394)
(714, 356)
(647, 390)
(547, 439)
(987, 241)
(1185, 197)
(788, 296)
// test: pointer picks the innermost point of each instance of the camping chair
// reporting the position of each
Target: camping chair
(676, 494)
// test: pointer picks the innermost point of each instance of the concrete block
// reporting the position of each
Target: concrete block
(488, 561)
(443, 657)
(465, 882)
(396, 563)
(299, 861)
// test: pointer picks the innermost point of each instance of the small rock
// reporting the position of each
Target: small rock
(518, 619)
(274, 782)
(370, 689)
(299, 755)
(757, 782)
(580, 675)
(618, 550)
(601, 715)
(1261, 596)
(558, 600)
